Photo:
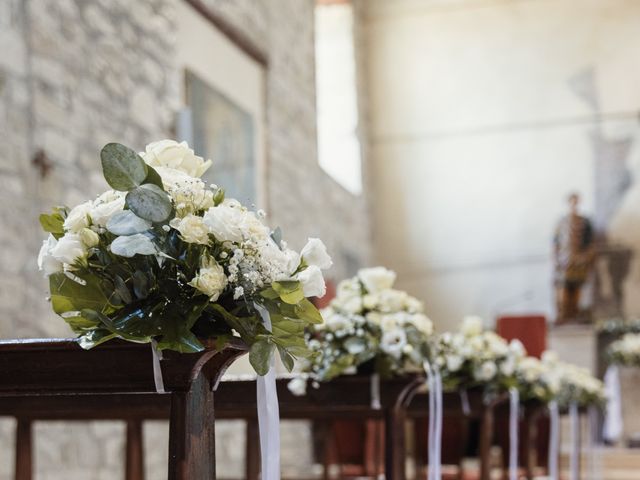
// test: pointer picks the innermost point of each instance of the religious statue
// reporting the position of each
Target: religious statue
(574, 258)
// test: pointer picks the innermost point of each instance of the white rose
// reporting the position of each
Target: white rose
(422, 323)
(508, 367)
(393, 342)
(298, 386)
(69, 249)
(192, 229)
(312, 281)
(454, 362)
(105, 206)
(369, 301)
(169, 153)
(413, 305)
(283, 261)
(390, 300)
(352, 305)
(517, 348)
(229, 222)
(78, 217)
(376, 279)
(47, 263)
(315, 253)
(486, 371)
(188, 193)
(389, 322)
(210, 280)
(471, 326)
(335, 321)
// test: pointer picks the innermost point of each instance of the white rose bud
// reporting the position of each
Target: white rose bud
(89, 237)
(315, 253)
(312, 281)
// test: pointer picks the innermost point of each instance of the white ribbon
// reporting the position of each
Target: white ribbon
(613, 427)
(574, 460)
(554, 439)
(157, 369)
(375, 392)
(514, 417)
(268, 415)
(464, 399)
(434, 384)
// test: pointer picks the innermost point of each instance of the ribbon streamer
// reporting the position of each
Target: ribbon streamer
(574, 460)
(268, 415)
(464, 400)
(375, 392)
(434, 384)
(612, 429)
(554, 439)
(157, 369)
(514, 417)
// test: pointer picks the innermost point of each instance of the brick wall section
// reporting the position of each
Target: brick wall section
(75, 74)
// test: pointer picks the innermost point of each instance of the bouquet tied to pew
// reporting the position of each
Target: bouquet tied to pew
(163, 257)
(475, 357)
(368, 326)
(625, 351)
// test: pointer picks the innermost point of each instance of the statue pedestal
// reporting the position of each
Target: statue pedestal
(576, 344)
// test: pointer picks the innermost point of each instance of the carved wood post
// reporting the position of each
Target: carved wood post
(191, 433)
(134, 457)
(24, 445)
(394, 444)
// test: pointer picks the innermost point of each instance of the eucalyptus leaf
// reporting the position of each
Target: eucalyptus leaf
(127, 223)
(141, 284)
(305, 310)
(150, 202)
(122, 290)
(276, 236)
(153, 177)
(123, 168)
(128, 246)
(287, 358)
(260, 356)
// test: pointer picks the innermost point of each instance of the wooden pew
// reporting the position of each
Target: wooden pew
(345, 397)
(56, 379)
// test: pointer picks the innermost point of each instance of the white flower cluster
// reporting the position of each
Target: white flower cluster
(480, 354)
(369, 320)
(626, 350)
(252, 257)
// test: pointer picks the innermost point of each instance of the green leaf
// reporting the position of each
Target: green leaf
(123, 168)
(150, 202)
(127, 223)
(269, 293)
(94, 338)
(305, 310)
(68, 295)
(153, 177)
(182, 341)
(141, 284)
(287, 359)
(290, 291)
(276, 236)
(260, 356)
(53, 224)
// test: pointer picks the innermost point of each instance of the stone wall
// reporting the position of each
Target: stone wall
(75, 74)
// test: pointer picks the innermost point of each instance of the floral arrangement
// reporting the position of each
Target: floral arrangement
(626, 350)
(369, 324)
(573, 384)
(164, 257)
(474, 356)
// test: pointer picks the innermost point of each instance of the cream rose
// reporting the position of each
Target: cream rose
(210, 280)
(106, 206)
(192, 229)
(169, 153)
(377, 279)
